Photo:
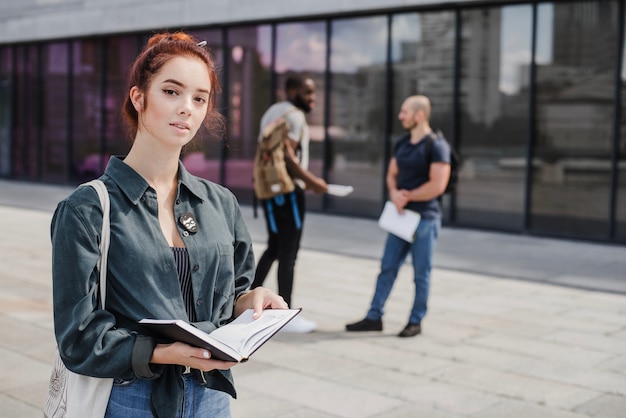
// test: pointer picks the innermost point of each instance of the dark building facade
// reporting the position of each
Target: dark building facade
(529, 93)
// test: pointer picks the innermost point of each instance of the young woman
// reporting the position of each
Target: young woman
(179, 250)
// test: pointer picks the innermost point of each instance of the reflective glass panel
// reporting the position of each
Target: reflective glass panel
(356, 127)
(27, 113)
(121, 52)
(575, 112)
(248, 55)
(86, 135)
(6, 108)
(496, 49)
(423, 63)
(301, 50)
(620, 218)
(55, 105)
(202, 157)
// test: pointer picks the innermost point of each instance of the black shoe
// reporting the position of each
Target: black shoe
(366, 325)
(411, 330)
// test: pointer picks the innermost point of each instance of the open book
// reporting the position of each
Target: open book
(235, 341)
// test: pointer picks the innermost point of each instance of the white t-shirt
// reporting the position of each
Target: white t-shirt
(299, 131)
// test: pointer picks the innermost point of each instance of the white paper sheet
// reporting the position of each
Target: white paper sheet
(339, 190)
(402, 225)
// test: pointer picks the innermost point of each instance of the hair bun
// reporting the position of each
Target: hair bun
(176, 36)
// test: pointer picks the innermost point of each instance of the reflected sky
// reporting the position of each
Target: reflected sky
(515, 46)
(357, 43)
(301, 47)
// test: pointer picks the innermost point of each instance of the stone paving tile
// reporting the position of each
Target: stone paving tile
(515, 409)
(13, 408)
(516, 386)
(616, 364)
(542, 349)
(318, 394)
(425, 393)
(412, 411)
(604, 406)
(259, 405)
(561, 321)
(599, 313)
(595, 341)
(581, 376)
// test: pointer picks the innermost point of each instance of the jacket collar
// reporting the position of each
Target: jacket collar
(134, 186)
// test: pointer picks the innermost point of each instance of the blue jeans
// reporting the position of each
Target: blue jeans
(131, 399)
(396, 250)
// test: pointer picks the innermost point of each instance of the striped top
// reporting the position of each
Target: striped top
(184, 277)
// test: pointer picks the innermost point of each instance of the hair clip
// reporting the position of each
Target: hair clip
(201, 44)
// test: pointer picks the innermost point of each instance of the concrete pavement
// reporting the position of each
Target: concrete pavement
(500, 339)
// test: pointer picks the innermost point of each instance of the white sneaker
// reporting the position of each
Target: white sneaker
(299, 325)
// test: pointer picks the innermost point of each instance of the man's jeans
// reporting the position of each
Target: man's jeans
(396, 250)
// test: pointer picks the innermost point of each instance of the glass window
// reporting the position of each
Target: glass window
(55, 104)
(249, 49)
(575, 113)
(620, 213)
(27, 112)
(87, 128)
(496, 49)
(356, 126)
(6, 108)
(301, 49)
(203, 156)
(422, 56)
(121, 52)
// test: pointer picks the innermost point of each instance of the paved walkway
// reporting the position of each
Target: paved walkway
(499, 341)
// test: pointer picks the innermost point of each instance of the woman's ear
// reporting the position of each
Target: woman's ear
(136, 98)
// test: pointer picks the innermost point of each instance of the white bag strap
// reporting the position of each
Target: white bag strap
(103, 194)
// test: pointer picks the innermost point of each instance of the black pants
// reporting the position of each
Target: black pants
(284, 228)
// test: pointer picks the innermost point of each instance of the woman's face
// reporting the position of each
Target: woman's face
(177, 101)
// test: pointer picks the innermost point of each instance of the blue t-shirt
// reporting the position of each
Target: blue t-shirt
(414, 167)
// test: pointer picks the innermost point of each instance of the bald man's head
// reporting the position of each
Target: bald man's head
(419, 102)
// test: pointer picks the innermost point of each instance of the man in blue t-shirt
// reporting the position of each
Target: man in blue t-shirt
(418, 174)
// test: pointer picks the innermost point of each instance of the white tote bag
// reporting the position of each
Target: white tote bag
(72, 395)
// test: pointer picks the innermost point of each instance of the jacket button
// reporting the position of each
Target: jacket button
(178, 201)
(200, 302)
(185, 234)
(196, 267)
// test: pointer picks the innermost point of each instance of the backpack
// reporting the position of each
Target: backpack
(270, 170)
(455, 161)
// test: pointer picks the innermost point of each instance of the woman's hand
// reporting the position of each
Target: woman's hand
(258, 299)
(186, 355)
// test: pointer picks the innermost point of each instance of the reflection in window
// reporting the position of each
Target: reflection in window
(55, 104)
(87, 109)
(202, 157)
(121, 53)
(620, 212)
(495, 59)
(27, 113)
(248, 97)
(6, 87)
(423, 63)
(572, 150)
(301, 49)
(357, 110)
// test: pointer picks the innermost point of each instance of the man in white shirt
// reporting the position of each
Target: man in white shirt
(284, 214)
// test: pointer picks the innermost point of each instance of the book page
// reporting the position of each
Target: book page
(246, 334)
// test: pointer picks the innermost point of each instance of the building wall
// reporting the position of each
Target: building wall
(31, 20)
